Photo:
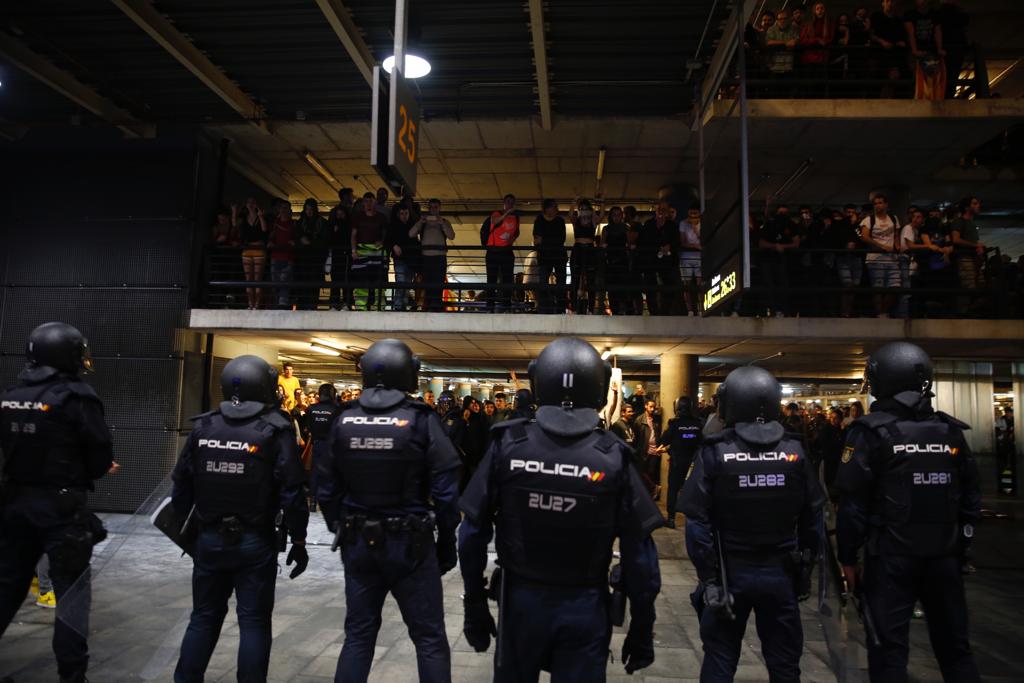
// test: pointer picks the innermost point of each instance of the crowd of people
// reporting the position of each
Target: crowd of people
(928, 42)
(638, 419)
(929, 261)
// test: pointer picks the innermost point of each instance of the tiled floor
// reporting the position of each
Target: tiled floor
(142, 596)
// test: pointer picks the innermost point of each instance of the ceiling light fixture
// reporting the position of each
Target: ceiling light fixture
(326, 350)
(328, 343)
(606, 354)
(319, 168)
(415, 66)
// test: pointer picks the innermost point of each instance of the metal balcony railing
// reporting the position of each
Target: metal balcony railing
(596, 280)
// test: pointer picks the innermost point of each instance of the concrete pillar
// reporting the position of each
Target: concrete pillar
(679, 375)
(463, 389)
(437, 386)
(484, 392)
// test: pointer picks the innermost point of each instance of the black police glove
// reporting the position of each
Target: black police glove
(300, 557)
(638, 648)
(717, 600)
(447, 555)
(478, 625)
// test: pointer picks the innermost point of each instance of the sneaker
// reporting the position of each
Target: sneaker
(34, 590)
(918, 612)
(47, 601)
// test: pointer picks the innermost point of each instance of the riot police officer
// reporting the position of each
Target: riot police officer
(559, 490)
(909, 494)
(753, 529)
(55, 444)
(317, 422)
(523, 407)
(682, 437)
(392, 476)
(239, 466)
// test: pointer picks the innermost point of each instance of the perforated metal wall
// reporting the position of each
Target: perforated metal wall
(111, 255)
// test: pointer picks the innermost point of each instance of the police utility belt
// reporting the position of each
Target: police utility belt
(232, 527)
(373, 529)
(68, 498)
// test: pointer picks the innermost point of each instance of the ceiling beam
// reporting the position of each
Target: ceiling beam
(540, 58)
(256, 171)
(340, 19)
(192, 58)
(67, 85)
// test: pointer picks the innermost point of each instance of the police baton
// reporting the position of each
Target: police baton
(499, 651)
(864, 611)
(723, 576)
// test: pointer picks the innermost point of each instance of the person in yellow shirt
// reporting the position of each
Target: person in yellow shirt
(289, 382)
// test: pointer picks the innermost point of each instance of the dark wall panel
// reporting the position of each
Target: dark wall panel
(109, 248)
(99, 253)
(146, 457)
(118, 322)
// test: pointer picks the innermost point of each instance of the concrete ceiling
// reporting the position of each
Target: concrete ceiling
(472, 164)
(855, 146)
(494, 345)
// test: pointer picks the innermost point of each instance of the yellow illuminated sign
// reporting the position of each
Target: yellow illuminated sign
(721, 286)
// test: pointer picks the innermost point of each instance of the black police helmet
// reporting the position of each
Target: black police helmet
(569, 372)
(684, 406)
(59, 346)
(390, 364)
(523, 399)
(446, 401)
(249, 386)
(327, 392)
(749, 395)
(898, 367)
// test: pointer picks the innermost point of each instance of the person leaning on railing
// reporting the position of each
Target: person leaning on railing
(405, 253)
(433, 231)
(311, 235)
(252, 225)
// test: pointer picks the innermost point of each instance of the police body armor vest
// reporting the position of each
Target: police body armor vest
(759, 491)
(559, 502)
(321, 416)
(382, 457)
(41, 439)
(686, 432)
(917, 504)
(233, 464)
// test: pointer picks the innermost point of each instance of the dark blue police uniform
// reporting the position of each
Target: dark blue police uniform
(683, 435)
(763, 501)
(237, 472)
(391, 475)
(558, 504)
(55, 443)
(908, 489)
(317, 421)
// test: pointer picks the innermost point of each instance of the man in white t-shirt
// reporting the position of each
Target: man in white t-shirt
(689, 257)
(880, 231)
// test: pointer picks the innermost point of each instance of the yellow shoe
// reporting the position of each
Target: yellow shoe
(34, 590)
(47, 600)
